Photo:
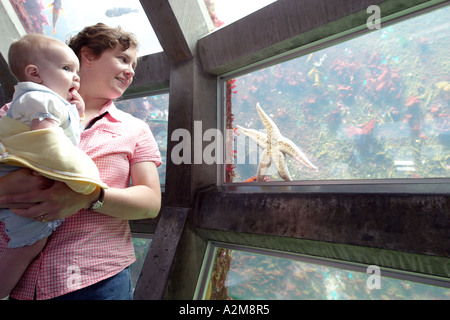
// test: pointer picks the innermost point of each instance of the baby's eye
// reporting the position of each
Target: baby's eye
(66, 68)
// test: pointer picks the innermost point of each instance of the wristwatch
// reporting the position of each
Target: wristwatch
(98, 204)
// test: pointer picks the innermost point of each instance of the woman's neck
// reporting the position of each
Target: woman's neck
(92, 108)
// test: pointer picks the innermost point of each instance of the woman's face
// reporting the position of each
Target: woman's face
(108, 76)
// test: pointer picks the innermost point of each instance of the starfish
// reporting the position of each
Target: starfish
(275, 148)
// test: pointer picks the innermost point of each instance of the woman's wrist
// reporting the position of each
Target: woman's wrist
(93, 198)
(97, 204)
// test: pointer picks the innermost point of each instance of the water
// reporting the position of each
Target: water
(241, 275)
(360, 109)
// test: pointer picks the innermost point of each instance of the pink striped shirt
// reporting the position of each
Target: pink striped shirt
(89, 247)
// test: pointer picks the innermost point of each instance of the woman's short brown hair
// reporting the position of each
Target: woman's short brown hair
(100, 37)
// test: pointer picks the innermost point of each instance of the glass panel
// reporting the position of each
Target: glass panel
(63, 18)
(373, 107)
(141, 246)
(155, 111)
(242, 275)
(223, 12)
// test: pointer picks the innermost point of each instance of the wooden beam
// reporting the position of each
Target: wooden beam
(7, 80)
(167, 29)
(147, 226)
(392, 259)
(152, 74)
(158, 263)
(191, 19)
(417, 223)
(187, 265)
(178, 24)
(180, 118)
(283, 26)
(192, 97)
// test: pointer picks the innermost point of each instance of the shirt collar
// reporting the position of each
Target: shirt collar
(112, 110)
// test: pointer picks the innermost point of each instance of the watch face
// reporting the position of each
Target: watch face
(99, 203)
(96, 205)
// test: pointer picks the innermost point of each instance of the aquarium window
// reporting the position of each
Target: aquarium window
(374, 107)
(64, 18)
(141, 243)
(224, 12)
(154, 110)
(243, 273)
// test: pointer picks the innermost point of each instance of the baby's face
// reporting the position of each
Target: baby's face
(59, 71)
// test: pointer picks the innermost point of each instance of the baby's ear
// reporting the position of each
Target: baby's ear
(32, 73)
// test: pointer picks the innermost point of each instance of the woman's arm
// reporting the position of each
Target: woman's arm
(140, 201)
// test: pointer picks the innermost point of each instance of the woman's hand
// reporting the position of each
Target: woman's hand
(56, 202)
(21, 181)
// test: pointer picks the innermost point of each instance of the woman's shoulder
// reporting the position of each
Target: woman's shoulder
(127, 118)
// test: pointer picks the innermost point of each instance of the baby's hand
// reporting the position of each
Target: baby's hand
(77, 100)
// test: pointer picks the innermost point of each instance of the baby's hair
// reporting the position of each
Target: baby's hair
(28, 50)
(100, 37)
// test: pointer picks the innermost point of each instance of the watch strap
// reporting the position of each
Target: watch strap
(98, 204)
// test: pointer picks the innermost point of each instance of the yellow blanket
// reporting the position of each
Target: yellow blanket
(49, 152)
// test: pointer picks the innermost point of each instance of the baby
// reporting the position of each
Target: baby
(41, 131)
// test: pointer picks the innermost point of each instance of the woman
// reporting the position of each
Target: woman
(88, 256)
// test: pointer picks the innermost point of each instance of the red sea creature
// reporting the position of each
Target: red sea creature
(282, 113)
(346, 68)
(435, 109)
(374, 58)
(345, 92)
(30, 15)
(255, 178)
(382, 77)
(343, 87)
(230, 90)
(382, 81)
(412, 100)
(407, 117)
(360, 130)
(212, 13)
(311, 100)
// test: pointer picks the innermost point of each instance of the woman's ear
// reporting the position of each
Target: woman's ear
(32, 73)
(86, 56)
